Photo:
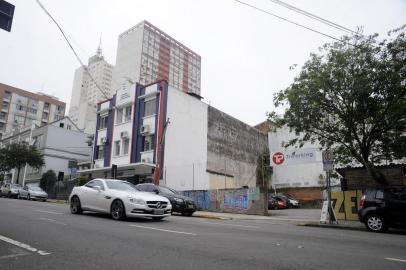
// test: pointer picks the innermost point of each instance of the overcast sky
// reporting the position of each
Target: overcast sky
(246, 54)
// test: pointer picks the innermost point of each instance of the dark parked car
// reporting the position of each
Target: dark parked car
(180, 204)
(381, 208)
(292, 202)
(277, 202)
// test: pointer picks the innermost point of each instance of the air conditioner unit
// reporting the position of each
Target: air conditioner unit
(146, 160)
(124, 134)
(145, 129)
(103, 140)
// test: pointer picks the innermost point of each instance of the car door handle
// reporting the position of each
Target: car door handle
(107, 197)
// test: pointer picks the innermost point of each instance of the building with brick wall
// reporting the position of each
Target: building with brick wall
(20, 108)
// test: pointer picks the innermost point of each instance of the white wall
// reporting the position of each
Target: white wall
(297, 175)
(185, 142)
(128, 59)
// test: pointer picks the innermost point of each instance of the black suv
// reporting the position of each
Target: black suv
(381, 208)
(180, 204)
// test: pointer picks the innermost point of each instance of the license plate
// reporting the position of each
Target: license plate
(159, 212)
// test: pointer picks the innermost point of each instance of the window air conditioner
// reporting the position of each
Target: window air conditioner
(124, 134)
(104, 140)
(146, 160)
(145, 129)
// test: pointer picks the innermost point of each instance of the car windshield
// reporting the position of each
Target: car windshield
(16, 186)
(120, 185)
(36, 188)
(167, 190)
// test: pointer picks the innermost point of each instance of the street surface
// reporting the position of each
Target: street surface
(37, 235)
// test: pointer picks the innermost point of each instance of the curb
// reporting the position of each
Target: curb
(57, 201)
(332, 226)
(211, 217)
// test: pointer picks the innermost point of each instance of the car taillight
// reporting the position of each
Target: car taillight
(362, 202)
(280, 203)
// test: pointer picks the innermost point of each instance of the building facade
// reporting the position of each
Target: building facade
(146, 54)
(20, 108)
(160, 134)
(61, 143)
(86, 94)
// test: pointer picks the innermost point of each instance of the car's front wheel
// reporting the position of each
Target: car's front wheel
(117, 210)
(376, 223)
(75, 206)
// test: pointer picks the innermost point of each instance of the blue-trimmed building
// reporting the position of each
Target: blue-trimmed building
(156, 133)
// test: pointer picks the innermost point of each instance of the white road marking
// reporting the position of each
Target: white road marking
(17, 252)
(53, 221)
(228, 224)
(49, 212)
(394, 259)
(22, 245)
(157, 229)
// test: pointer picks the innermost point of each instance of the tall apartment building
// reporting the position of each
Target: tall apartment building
(86, 94)
(20, 108)
(146, 54)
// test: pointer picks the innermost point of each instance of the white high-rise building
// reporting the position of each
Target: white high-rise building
(146, 54)
(86, 94)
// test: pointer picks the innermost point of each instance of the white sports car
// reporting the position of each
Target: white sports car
(119, 198)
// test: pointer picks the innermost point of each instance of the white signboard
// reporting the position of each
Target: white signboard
(328, 160)
(292, 157)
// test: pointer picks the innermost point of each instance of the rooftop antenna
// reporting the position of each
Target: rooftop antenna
(99, 49)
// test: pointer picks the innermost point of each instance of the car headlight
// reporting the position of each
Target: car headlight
(178, 200)
(136, 201)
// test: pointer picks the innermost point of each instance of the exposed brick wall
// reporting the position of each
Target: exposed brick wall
(303, 193)
(358, 178)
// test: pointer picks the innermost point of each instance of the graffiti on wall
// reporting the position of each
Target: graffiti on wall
(346, 204)
(230, 200)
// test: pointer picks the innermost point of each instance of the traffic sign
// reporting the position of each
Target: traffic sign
(328, 160)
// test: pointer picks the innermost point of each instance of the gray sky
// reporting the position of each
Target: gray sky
(246, 54)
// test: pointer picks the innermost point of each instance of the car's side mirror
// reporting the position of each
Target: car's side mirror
(156, 191)
(97, 188)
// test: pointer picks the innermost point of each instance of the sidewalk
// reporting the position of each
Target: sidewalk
(307, 219)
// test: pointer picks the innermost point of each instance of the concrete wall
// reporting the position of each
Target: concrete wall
(128, 60)
(244, 200)
(185, 142)
(232, 150)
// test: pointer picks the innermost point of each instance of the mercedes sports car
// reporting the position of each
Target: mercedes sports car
(119, 198)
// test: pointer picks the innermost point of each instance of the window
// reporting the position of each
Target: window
(117, 148)
(127, 113)
(126, 146)
(100, 152)
(123, 114)
(31, 110)
(150, 107)
(147, 143)
(61, 125)
(119, 115)
(68, 127)
(46, 106)
(103, 122)
(38, 141)
(19, 119)
(95, 183)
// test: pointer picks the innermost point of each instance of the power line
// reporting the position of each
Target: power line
(73, 50)
(287, 20)
(313, 16)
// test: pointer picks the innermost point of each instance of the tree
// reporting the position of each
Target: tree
(48, 180)
(351, 99)
(18, 155)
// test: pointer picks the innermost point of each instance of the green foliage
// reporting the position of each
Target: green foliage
(16, 155)
(351, 99)
(264, 170)
(82, 180)
(48, 180)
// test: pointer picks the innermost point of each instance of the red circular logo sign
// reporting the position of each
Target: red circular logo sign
(278, 158)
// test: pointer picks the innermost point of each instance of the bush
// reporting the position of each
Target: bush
(48, 180)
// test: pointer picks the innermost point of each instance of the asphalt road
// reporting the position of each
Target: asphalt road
(37, 235)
